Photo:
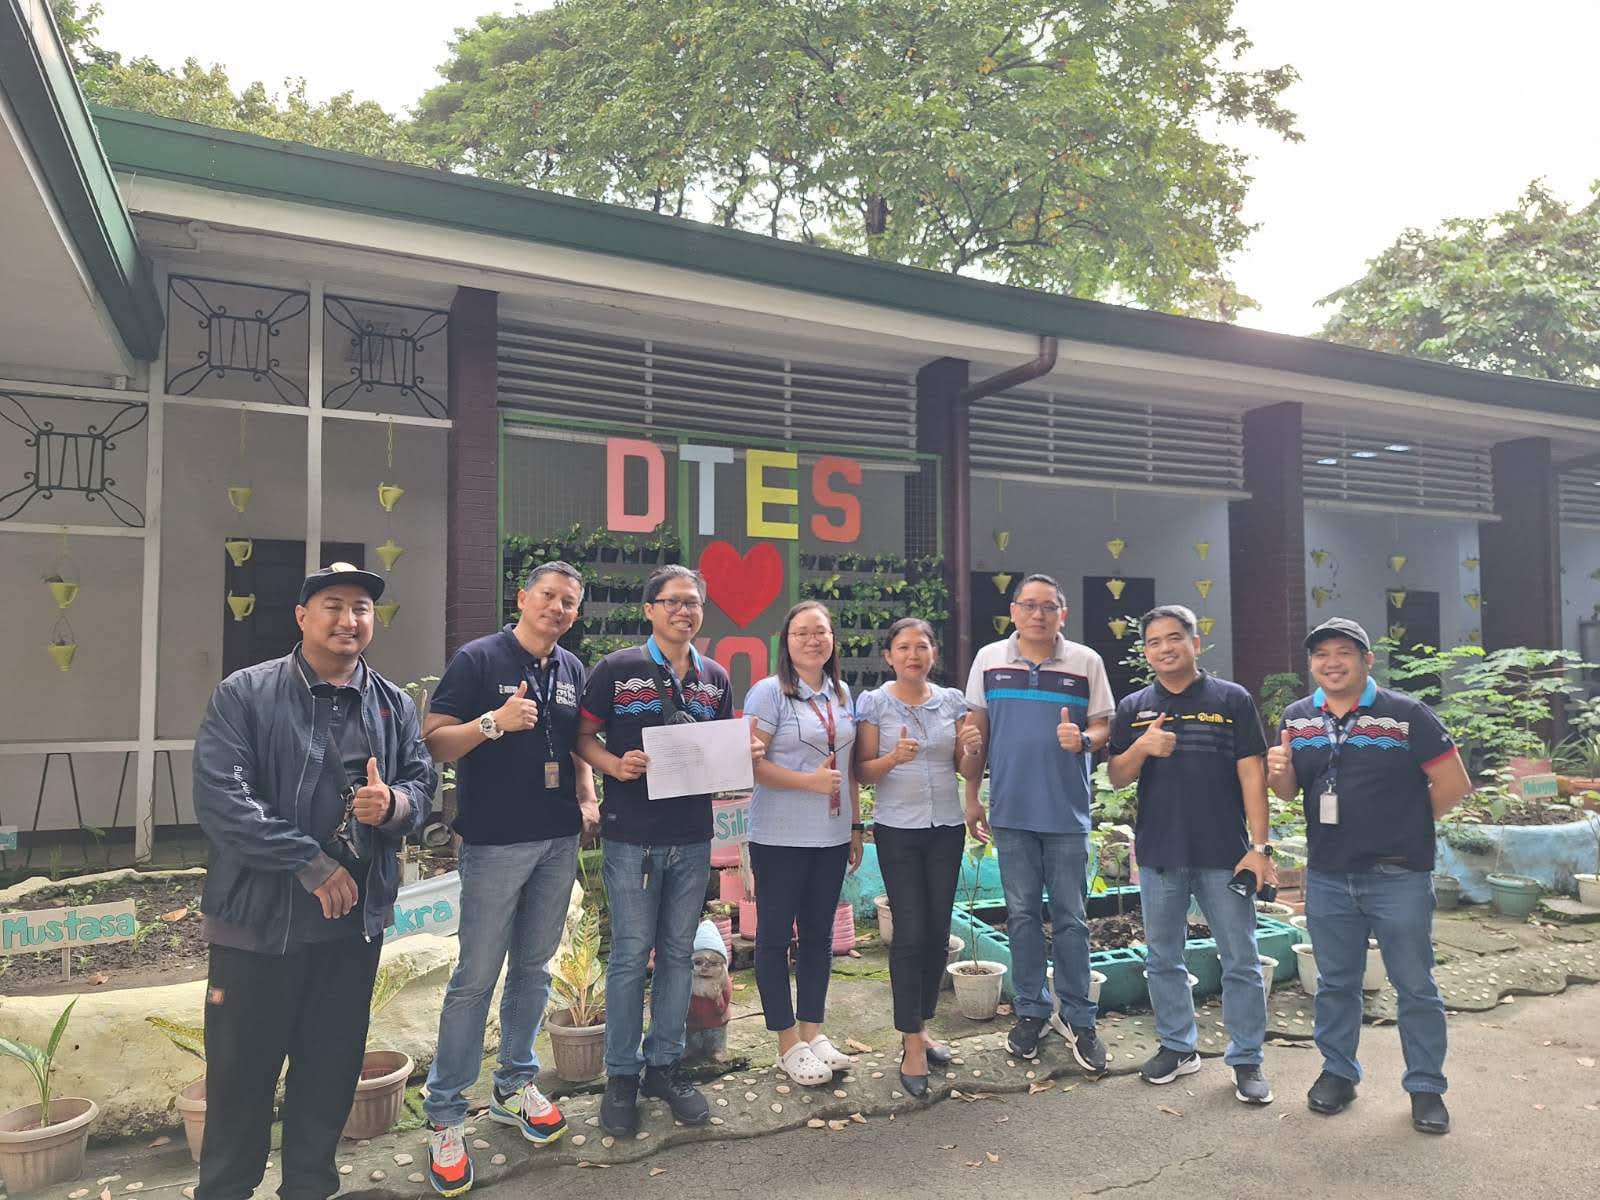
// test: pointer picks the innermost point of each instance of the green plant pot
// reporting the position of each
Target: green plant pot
(1514, 895)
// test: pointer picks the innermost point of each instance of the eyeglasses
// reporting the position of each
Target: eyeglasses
(679, 604)
(1048, 608)
(811, 635)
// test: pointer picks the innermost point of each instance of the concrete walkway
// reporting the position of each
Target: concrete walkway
(1518, 1040)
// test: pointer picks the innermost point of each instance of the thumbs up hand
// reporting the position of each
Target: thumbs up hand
(518, 712)
(1280, 766)
(968, 735)
(826, 780)
(373, 798)
(1159, 741)
(905, 749)
(1068, 733)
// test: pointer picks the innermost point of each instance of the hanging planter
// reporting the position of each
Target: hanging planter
(1119, 627)
(1203, 549)
(1397, 597)
(1397, 563)
(63, 653)
(240, 550)
(1321, 595)
(239, 497)
(1470, 564)
(1115, 587)
(389, 553)
(1001, 624)
(1473, 600)
(1002, 582)
(1319, 557)
(1002, 539)
(386, 610)
(242, 606)
(1207, 624)
(1203, 586)
(64, 590)
(1116, 545)
(389, 495)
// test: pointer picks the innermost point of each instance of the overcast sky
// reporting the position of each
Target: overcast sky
(1413, 110)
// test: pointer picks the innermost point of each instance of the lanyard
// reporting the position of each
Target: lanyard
(544, 686)
(831, 725)
(1337, 729)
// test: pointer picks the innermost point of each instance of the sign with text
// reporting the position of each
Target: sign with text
(427, 906)
(65, 928)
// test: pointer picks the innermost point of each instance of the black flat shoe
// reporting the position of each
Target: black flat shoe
(916, 1086)
(940, 1056)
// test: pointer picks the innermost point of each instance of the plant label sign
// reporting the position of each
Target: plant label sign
(65, 928)
(8, 837)
(427, 906)
(1539, 787)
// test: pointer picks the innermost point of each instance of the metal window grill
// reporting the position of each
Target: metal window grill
(1392, 471)
(1059, 437)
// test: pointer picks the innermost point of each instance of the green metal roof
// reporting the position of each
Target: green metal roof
(147, 145)
(38, 82)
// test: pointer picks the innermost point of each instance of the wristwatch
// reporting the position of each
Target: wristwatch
(488, 728)
(1262, 848)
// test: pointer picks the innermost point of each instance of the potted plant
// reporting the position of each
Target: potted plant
(43, 1143)
(977, 981)
(381, 1087)
(1589, 883)
(191, 1099)
(577, 1017)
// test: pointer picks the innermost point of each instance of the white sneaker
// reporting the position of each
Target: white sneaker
(449, 1164)
(804, 1067)
(830, 1055)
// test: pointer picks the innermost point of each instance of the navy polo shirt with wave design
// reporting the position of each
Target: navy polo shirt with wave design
(1191, 807)
(1385, 808)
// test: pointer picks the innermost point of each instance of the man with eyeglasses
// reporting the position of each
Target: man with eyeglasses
(506, 713)
(309, 771)
(1043, 708)
(658, 852)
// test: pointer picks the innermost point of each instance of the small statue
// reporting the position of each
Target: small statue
(710, 995)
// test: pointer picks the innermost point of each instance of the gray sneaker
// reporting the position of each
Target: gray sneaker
(1250, 1086)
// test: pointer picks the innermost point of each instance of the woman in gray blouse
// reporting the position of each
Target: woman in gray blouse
(911, 739)
(805, 832)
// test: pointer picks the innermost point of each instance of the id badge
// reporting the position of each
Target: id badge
(1328, 809)
(552, 776)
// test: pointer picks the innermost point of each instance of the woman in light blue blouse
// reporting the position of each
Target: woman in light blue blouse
(805, 830)
(911, 739)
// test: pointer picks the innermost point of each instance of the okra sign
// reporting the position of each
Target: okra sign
(64, 928)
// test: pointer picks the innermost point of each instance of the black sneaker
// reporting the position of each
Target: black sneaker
(1087, 1048)
(1023, 1040)
(1428, 1113)
(1330, 1094)
(1250, 1086)
(619, 1107)
(1166, 1065)
(682, 1097)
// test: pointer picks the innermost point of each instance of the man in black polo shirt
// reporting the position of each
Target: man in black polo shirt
(1376, 769)
(658, 852)
(506, 713)
(1194, 744)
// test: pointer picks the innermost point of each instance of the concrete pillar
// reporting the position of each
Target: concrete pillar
(942, 430)
(472, 557)
(1521, 552)
(1267, 549)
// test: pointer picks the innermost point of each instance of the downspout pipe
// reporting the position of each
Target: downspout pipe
(961, 476)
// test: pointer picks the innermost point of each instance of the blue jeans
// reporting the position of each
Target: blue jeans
(664, 917)
(1164, 894)
(513, 901)
(1031, 864)
(1395, 905)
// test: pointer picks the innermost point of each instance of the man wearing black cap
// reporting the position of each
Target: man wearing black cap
(1376, 768)
(309, 770)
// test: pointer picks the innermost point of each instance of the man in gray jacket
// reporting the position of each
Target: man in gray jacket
(309, 771)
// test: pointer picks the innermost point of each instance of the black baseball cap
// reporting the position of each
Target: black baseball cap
(1339, 627)
(340, 573)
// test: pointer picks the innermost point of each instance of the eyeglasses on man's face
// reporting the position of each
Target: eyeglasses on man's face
(1048, 607)
(679, 603)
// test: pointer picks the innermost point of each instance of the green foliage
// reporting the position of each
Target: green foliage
(1494, 704)
(1514, 292)
(1109, 805)
(976, 852)
(40, 1063)
(1278, 691)
(191, 1039)
(1068, 146)
(578, 978)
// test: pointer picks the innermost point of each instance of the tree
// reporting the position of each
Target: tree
(1516, 292)
(205, 96)
(1060, 146)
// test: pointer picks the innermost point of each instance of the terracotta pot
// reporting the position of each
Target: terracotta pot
(724, 926)
(730, 887)
(192, 1108)
(844, 928)
(380, 1094)
(747, 919)
(579, 1050)
(31, 1157)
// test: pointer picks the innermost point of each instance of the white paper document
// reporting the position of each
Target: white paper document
(691, 760)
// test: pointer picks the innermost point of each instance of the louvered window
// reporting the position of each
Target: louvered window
(1580, 498)
(1037, 435)
(1362, 469)
(584, 377)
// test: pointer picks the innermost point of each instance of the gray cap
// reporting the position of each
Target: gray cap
(1339, 627)
(339, 573)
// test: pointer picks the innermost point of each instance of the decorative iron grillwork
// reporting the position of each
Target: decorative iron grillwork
(72, 460)
(235, 345)
(380, 355)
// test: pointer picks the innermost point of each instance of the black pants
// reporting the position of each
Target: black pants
(919, 868)
(797, 889)
(311, 1006)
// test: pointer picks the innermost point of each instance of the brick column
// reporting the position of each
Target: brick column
(472, 556)
(942, 430)
(1521, 552)
(1267, 549)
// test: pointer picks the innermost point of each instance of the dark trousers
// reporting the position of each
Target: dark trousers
(920, 868)
(310, 1006)
(797, 889)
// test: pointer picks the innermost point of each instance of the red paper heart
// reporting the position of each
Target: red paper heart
(742, 585)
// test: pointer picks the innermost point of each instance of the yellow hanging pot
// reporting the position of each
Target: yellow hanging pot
(239, 497)
(1115, 586)
(389, 553)
(1319, 557)
(64, 590)
(1207, 624)
(1118, 626)
(1473, 599)
(1002, 582)
(1321, 595)
(1397, 597)
(62, 652)
(1001, 624)
(1397, 563)
(1203, 586)
(386, 610)
(1203, 549)
(389, 495)
(240, 550)
(1470, 564)
(1002, 538)
(1397, 632)
(1116, 545)
(242, 606)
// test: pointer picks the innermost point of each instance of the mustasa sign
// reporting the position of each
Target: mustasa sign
(63, 928)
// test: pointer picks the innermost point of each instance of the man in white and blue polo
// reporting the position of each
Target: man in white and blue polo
(1043, 707)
